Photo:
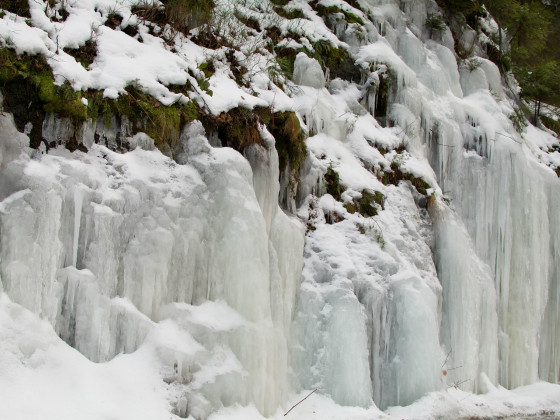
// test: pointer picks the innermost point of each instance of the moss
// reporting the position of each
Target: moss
(13, 66)
(107, 114)
(336, 59)
(162, 123)
(396, 175)
(327, 54)
(34, 72)
(290, 140)
(30, 93)
(332, 183)
(367, 204)
(239, 128)
(61, 100)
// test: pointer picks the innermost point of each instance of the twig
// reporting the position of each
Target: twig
(509, 137)
(456, 384)
(299, 402)
(446, 357)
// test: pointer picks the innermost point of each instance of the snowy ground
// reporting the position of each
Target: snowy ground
(43, 378)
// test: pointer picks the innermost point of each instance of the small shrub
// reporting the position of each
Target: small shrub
(503, 61)
(250, 22)
(473, 64)
(113, 20)
(378, 234)
(435, 23)
(518, 120)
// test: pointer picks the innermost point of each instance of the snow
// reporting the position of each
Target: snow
(138, 286)
(33, 355)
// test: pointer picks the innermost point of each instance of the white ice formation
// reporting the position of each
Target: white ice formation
(192, 270)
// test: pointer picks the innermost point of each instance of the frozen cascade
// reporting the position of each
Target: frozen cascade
(494, 245)
(133, 225)
(193, 262)
(512, 232)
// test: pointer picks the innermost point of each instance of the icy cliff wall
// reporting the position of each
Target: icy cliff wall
(104, 246)
(421, 251)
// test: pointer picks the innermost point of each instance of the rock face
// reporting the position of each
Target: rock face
(420, 253)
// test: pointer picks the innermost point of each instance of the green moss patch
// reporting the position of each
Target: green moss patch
(332, 183)
(290, 140)
(397, 175)
(367, 204)
(30, 94)
(336, 59)
(162, 123)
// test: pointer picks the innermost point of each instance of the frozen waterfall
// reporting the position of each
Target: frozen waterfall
(189, 265)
